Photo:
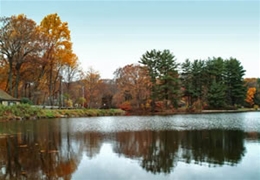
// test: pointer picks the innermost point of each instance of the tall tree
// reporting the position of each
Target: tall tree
(186, 81)
(215, 83)
(193, 81)
(133, 85)
(162, 68)
(198, 81)
(168, 78)
(59, 48)
(150, 61)
(216, 95)
(92, 90)
(236, 91)
(18, 39)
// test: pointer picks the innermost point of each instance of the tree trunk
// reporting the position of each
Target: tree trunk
(50, 85)
(17, 80)
(10, 77)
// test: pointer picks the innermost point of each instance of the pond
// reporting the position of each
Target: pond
(205, 146)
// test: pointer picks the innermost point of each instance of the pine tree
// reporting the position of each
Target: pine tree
(150, 60)
(163, 72)
(186, 81)
(216, 95)
(168, 78)
(235, 89)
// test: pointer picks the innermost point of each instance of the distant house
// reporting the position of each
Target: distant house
(7, 100)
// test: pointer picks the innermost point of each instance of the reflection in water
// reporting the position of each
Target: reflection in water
(48, 149)
(37, 150)
(160, 151)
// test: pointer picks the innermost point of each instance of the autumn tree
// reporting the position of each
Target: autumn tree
(250, 96)
(19, 38)
(59, 49)
(108, 91)
(133, 85)
(70, 71)
(253, 91)
(257, 94)
(4, 73)
(92, 82)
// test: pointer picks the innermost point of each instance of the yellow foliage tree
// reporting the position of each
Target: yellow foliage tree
(250, 95)
(59, 52)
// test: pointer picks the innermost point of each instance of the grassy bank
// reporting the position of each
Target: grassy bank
(25, 111)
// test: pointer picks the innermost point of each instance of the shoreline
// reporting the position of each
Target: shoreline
(32, 113)
(26, 112)
(198, 112)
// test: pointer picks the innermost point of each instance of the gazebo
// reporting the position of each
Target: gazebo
(7, 100)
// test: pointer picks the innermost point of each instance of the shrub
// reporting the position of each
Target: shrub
(68, 103)
(126, 106)
(26, 101)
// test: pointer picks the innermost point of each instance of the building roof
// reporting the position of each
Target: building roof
(7, 97)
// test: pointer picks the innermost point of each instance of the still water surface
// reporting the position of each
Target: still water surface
(210, 146)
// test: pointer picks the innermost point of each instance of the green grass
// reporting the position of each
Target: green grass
(26, 111)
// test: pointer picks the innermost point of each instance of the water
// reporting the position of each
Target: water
(209, 146)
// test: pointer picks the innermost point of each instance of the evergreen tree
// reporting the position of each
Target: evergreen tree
(186, 78)
(216, 95)
(235, 89)
(198, 80)
(193, 80)
(168, 78)
(163, 72)
(150, 60)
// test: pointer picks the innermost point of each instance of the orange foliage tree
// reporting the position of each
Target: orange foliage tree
(253, 91)
(133, 86)
(92, 82)
(19, 39)
(250, 96)
(4, 73)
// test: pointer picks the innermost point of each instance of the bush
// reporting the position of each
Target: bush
(68, 103)
(126, 106)
(26, 101)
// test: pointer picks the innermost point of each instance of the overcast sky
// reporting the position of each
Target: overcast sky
(107, 34)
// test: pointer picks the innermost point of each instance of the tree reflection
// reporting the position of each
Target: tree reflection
(212, 146)
(93, 143)
(38, 151)
(52, 150)
(159, 151)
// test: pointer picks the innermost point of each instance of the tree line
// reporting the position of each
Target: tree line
(214, 83)
(37, 63)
